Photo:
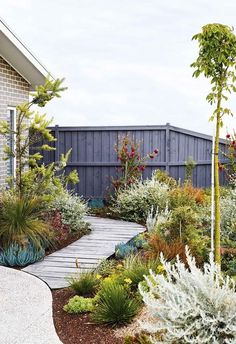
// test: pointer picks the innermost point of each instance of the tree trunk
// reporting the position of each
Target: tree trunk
(217, 185)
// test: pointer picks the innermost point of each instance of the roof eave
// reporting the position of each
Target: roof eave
(20, 58)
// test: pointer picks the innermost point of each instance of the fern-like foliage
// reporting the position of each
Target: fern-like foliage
(191, 305)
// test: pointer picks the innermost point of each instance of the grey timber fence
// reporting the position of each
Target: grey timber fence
(94, 158)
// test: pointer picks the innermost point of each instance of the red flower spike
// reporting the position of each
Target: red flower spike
(228, 136)
(132, 154)
(156, 151)
(141, 168)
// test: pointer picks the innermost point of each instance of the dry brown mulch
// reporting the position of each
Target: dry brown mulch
(75, 329)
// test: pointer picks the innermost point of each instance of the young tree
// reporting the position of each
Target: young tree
(30, 126)
(217, 62)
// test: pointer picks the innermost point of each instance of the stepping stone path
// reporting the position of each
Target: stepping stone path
(87, 251)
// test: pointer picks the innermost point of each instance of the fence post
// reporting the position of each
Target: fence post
(57, 144)
(167, 147)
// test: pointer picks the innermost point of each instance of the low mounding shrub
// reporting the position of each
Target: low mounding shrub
(191, 305)
(85, 284)
(187, 195)
(135, 202)
(72, 210)
(16, 255)
(115, 306)
(79, 304)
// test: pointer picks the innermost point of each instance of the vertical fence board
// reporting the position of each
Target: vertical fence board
(95, 159)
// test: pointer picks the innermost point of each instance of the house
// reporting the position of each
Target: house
(20, 72)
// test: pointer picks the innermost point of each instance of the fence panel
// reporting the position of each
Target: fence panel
(95, 159)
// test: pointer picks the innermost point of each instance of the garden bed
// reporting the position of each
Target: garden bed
(74, 329)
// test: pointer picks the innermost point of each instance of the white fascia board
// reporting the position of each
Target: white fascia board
(20, 57)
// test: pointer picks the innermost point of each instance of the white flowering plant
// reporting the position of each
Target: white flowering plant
(190, 305)
(157, 218)
(134, 203)
(72, 209)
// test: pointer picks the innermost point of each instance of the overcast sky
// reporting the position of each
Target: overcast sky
(124, 61)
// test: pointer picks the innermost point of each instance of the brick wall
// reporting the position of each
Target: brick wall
(14, 89)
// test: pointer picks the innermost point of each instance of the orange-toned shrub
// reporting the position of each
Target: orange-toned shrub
(156, 245)
(187, 195)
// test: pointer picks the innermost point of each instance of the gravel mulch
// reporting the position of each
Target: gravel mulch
(75, 329)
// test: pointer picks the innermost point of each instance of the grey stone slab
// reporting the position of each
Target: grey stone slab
(89, 251)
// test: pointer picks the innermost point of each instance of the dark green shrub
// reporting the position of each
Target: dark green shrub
(85, 284)
(115, 305)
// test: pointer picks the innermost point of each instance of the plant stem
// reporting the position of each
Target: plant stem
(217, 184)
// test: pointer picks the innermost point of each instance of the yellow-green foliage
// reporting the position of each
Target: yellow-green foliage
(163, 177)
(79, 304)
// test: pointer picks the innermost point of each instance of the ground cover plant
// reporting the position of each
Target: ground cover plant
(79, 304)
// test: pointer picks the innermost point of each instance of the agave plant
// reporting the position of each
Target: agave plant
(15, 255)
(21, 222)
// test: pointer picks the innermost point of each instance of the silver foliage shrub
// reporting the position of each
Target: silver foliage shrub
(191, 305)
(157, 218)
(135, 202)
(72, 209)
